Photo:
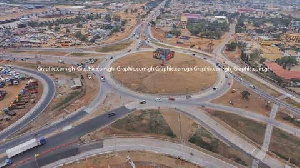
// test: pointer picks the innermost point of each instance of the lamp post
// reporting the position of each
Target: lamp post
(36, 155)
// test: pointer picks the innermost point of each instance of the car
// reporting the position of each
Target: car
(171, 99)
(158, 99)
(252, 86)
(89, 76)
(111, 114)
(16, 82)
(143, 102)
(188, 96)
(215, 88)
(102, 78)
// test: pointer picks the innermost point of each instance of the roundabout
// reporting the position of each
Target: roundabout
(196, 78)
(142, 73)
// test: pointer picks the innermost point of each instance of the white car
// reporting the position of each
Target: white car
(252, 86)
(158, 99)
(102, 78)
(89, 77)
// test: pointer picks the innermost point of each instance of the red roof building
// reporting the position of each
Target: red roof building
(279, 71)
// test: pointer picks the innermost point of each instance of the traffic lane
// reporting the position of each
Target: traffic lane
(74, 133)
(41, 132)
(44, 160)
(39, 109)
(267, 96)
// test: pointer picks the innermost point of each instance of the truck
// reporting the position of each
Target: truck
(9, 112)
(35, 142)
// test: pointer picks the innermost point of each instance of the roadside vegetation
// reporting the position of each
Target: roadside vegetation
(286, 146)
(207, 29)
(115, 47)
(206, 140)
(145, 121)
(250, 128)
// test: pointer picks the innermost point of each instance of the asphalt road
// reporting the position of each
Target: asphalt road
(74, 133)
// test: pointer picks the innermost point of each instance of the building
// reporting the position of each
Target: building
(282, 73)
(264, 40)
(291, 37)
(292, 53)
(187, 17)
(76, 83)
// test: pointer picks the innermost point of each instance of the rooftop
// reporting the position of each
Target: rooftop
(279, 71)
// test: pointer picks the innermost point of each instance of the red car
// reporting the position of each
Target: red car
(171, 99)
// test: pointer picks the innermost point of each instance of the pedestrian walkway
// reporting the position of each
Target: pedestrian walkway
(151, 145)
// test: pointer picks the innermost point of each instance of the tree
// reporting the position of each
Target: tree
(245, 95)
(175, 32)
(232, 46)
(67, 30)
(79, 25)
(116, 18)
(56, 28)
(108, 17)
(126, 11)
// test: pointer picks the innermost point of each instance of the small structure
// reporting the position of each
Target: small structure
(76, 83)
(163, 54)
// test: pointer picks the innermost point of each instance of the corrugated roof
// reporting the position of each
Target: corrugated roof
(279, 71)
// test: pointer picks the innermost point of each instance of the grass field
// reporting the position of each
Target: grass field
(115, 47)
(285, 145)
(250, 128)
(145, 121)
(206, 140)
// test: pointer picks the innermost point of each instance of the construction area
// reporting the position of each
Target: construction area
(170, 82)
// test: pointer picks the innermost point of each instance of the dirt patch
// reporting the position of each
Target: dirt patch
(164, 82)
(286, 146)
(255, 103)
(250, 128)
(141, 160)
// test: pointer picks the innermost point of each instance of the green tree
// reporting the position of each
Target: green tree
(232, 46)
(245, 95)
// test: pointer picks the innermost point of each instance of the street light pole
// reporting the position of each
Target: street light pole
(35, 155)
